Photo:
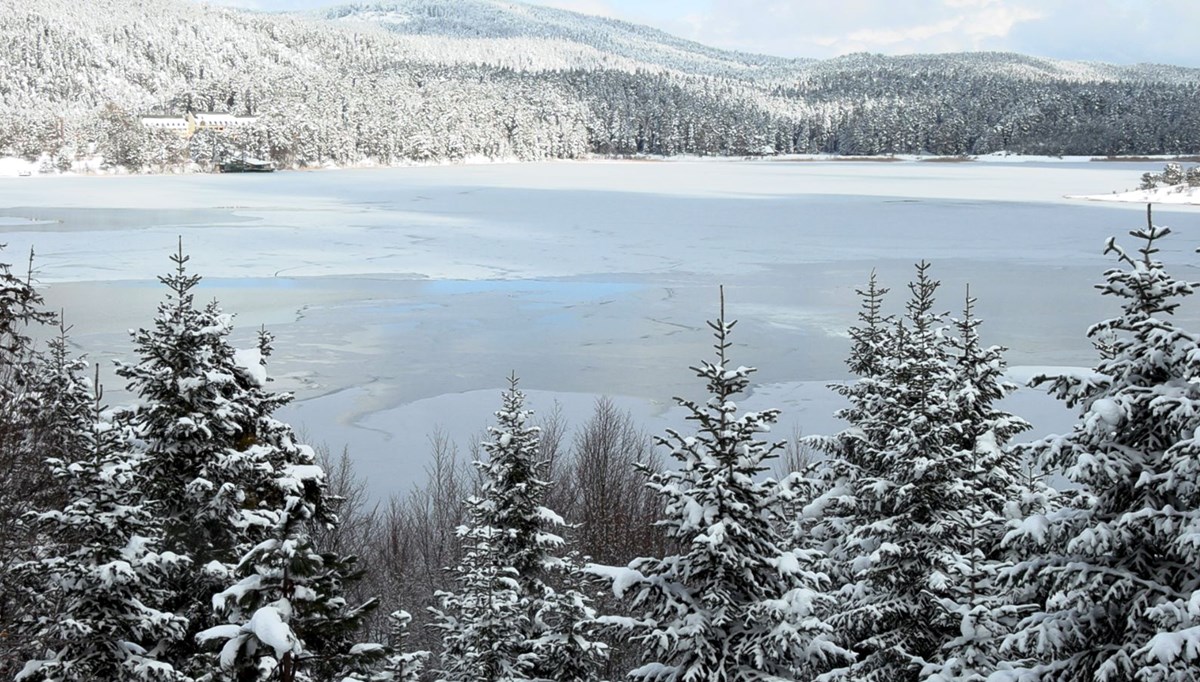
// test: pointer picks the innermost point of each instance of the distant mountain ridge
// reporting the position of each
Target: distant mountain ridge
(438, 79)
(502, 19)
(496, 19)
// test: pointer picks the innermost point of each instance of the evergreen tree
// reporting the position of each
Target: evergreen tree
(239, 496)
(288, 620)
(191, 418)
(482, 620)
(1117, 569)
(58, 403)
(914, 491)
(516, 614)
(25, 481)
(192, 424)
(996, 491)
(736, 603)
(563, 636)
(285, 615)
(401, 664)
(824, 503)
(103, 580)
(906, 541)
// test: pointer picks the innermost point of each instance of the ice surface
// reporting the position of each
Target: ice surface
(401, 298)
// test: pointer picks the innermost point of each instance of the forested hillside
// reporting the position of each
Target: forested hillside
(428, 80)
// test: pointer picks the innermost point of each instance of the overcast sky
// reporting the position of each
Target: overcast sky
(1120, 31)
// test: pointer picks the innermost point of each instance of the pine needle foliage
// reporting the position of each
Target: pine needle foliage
(1117, 569)
(737, 603)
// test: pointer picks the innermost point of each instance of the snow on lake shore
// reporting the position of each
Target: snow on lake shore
(1179, 195)
(402, 298)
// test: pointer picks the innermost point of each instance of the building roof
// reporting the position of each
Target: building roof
(223, 118)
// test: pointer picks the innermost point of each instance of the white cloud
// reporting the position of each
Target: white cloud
(974, 25)
(815, 28)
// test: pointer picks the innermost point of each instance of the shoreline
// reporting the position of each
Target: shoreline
(19, 168)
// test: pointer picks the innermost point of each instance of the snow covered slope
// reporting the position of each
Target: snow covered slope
(431, 80)
(491, 31)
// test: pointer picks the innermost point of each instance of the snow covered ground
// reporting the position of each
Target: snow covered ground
(1173, 195)
(401, 298)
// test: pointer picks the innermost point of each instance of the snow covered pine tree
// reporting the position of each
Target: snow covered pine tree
(1118, 569)
(102, 577)
(237, 495)
(481, 620)
(515, 614)
(737, 604)
(24, 478)
(900, 516)
(823, 501)
(996, 490)
(401, 665)
(285, 615)
(189, 421)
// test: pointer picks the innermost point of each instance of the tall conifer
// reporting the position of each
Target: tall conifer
(737, 603)
(1118, 568)
(515, 613)
(103, 577)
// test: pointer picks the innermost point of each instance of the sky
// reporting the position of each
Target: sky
(1117, 31)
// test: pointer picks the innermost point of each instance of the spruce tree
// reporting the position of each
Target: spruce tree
(191, 418)
(824, 505)
(904, 544)
(287, 617)
(25, 481)
(401, 665)
(515, 613)
(191, 423)
(1117, 568)
(482, 619)
(563, 638)
(238, 496)
(904, 524)
(996, 492)
(284, 613)
(59, 402)
(736, 603)
(103, 577)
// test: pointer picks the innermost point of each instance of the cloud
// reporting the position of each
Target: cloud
(983, 25)
(809, 28)
(1120, 31)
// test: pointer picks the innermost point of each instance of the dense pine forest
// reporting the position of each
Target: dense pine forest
(190, 535)
(422, 81)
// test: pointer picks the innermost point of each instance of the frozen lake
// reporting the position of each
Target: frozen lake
(401, 298)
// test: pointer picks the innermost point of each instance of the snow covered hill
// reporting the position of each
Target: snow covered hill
(519, 35)
(1000, 65)
(434, 80)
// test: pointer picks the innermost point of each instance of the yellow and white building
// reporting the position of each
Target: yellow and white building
(188, 124)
